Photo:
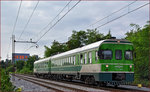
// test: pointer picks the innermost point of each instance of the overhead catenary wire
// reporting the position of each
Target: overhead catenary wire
(122, 15)
(28, 48)
(112, 14)
(13, 30)
(55, 17)
(100, 25)
(17, 17)
(55, 24)
(29, 19)
(58, 21)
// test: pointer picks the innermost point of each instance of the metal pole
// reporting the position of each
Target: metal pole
(13, 49)
(13, 56)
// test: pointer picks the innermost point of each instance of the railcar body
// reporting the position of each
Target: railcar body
(107, 61)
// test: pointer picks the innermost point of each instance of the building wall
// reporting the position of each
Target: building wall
(21, 56)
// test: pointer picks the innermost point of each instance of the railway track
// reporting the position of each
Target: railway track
(72, 86)
(109, 87)
(55, 85)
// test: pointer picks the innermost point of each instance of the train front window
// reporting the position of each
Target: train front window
(128, 55)
(105, 54)
(118, 54)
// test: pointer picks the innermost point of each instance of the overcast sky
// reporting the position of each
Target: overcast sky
(84, 14)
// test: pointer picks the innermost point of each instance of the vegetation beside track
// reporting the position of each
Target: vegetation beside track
(6, 85)
(140, 37)
(26, 67)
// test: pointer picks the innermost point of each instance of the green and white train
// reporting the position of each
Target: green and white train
(107, 61)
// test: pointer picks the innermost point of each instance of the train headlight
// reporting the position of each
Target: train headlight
(106, 65)
(130, 66)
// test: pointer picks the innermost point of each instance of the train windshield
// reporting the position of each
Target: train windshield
(118, 54)
(128, 55)
(105, 54)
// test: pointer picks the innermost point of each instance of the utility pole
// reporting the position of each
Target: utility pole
(13, 58)
(13, 51)
(13, 48)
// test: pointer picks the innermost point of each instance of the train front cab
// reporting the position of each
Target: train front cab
(116, 63)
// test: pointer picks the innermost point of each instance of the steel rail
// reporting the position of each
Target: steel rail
(48, 87)
(71, 88)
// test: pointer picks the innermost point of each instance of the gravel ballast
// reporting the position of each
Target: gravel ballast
(27, 86)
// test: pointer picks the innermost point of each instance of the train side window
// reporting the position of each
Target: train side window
(85, 58)
(105, 54)
(96, 56)
(118, 54)
(56, 62)
(61, 62)
(70, 60)
(67, 60)
(128, 55)
(90, 57)
(74, 60)
(64, 61)
(81, 58)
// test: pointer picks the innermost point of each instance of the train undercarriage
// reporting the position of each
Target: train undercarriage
(116, 78)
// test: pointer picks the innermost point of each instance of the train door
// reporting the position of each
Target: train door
(118, 53)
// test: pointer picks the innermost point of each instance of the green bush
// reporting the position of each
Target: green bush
(25, 70)
(143, 82)
(6, 85)
(10, 68)
(139, 36)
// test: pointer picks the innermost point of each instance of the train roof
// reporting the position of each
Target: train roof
(84, 48)
(41, 60)
(80, 49)
(87, 47)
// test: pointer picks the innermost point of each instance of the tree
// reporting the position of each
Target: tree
(6, 85)
(47, 52)
(30, 62)
(20, 64)
(140, 39)
(108, 36)
(77, 39)
(2, 63)
(93, 36)
(55, 48)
